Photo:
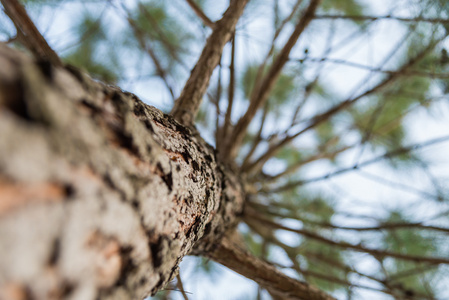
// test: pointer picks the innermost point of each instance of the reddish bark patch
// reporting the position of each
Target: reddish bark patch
(13, 291)
(109, 260)
(14, 195)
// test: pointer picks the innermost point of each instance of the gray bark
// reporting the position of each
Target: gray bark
(101, 195)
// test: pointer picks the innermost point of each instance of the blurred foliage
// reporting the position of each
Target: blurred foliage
(290, 154)
(91, 37)
(348, 7)
(163, 29)
(281, 93)
(409, 241)
(322, 264)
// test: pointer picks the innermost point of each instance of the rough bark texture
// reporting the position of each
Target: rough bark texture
(100, 195)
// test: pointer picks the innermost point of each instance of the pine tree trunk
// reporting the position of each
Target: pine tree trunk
(101, 195)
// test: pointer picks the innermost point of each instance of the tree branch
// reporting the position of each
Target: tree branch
(359, 247)
(232, 256)
(187, 105)
(372, 69)
(279, 29)
(199, 12)
(382, 226)
(379, 158)
(161, 72)
(231, 91)
(260, 96)
(296, 166)
(374, 18)
(320, 118)
(257, 139)
(181, 287)
(28, 34)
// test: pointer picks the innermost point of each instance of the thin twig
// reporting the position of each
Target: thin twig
(321, 155)
(257, 139)
(369, 68)
(390, 154)
(161, 72)
(267, 210)
(181, 287)
(258, 78)
(293, 252)
(342, 244)
(320, 118)
(162, 37)
(199, 12)
(375, 18)
(260, 96)
(231, 91)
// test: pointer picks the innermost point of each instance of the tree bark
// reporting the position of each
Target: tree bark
(101, 195)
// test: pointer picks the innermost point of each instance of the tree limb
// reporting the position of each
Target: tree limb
(260, 96)
(187, 105)
(359, 247)
(320, 118)
(199, 12)
(375, 18)
(239, 260)
(382, 226)
(376, 159)
(231, 91)
(28, 34)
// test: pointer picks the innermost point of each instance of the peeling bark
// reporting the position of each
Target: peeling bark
(101, 195)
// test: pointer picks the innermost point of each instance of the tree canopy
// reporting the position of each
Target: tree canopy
(333, 113)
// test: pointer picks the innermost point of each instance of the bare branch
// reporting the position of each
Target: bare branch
(293, 252)
(216, 101)
(320, 118)
(373, 69)
(342, 244)
(320, 155)
(399, 186)
(277, 283)
(260, 96)
(162, 36)
(390, 154)
(161, 72)
(199, 12)
(267, 210)
(257, 139)
(375, 18)
(188, 104)
(28, 34)
(231, 91)
(181, 287)
(257, 81)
